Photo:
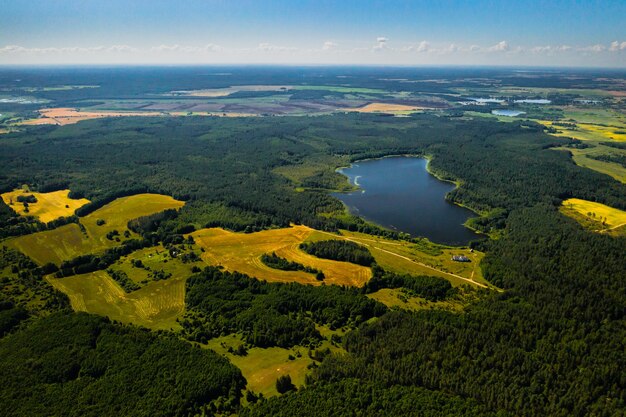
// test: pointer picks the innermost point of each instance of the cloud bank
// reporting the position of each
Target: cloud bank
(381, 51)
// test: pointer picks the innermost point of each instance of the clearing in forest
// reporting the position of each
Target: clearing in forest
(69, 241)
(596, 216)
(48, 207)
(262, 366)
(242, 251)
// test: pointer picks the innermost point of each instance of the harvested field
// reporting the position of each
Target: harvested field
(595, 216)
(155, 306)
(385, 108)
(49, 206)
(67, 242)
(67, 116)
(241, 252)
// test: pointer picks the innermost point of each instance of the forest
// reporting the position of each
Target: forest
(551, 343)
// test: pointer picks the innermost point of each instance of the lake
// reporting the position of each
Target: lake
(399, 193)
(509, 113)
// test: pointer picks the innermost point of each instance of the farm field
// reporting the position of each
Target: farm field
(68, 241)
(386, 108)
(156, 306)
(49, 206)
(241, 252)
(582, 158)
(595, 216)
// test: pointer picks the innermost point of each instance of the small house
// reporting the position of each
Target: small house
(460, 258)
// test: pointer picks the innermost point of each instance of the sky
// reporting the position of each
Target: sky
(339, 32)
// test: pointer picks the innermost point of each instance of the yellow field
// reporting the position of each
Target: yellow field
(603, 218)
(241, 252)
(49, 206)
(67, 242)
(155, 306)
(385, 108)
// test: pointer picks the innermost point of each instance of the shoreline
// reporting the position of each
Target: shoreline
(428, 158)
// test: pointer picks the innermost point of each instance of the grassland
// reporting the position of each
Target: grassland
(398, 298)
(595, 216)
(156, 306)
(69, 241)
(241, 252)
(261, 367)
(49, 206)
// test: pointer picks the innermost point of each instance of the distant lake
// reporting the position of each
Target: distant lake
(400, 194)
(534, 101)
(509, 113)
(488, 100)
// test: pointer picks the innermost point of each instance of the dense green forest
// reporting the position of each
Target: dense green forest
(276, 262)
(339, 250)
(79, 364)
(269, 314)
(552, 343)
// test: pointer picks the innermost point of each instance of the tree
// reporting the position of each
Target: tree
(284, 384)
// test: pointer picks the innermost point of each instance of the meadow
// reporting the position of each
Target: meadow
(261, 367)
(49, 206)
(69, 241)
(596, 216)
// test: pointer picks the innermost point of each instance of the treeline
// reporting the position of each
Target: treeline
(339, 250)
(89, 263)
(431, 288)
(276, 262)
(78, 364)
(269, 314)
(127, 284)
(616, 145)
(352, 397)
(612, 158)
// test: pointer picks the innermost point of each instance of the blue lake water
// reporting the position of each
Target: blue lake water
(509, 113)
(400, 194)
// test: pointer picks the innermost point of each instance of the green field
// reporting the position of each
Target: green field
(67, 242)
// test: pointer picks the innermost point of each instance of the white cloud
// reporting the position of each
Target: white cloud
(268, 47)
(381, 42)
(617, 46)
(422, 47)
(328, 45)
(501, 46)
(593, 48)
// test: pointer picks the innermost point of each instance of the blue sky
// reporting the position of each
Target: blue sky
(589, 33)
